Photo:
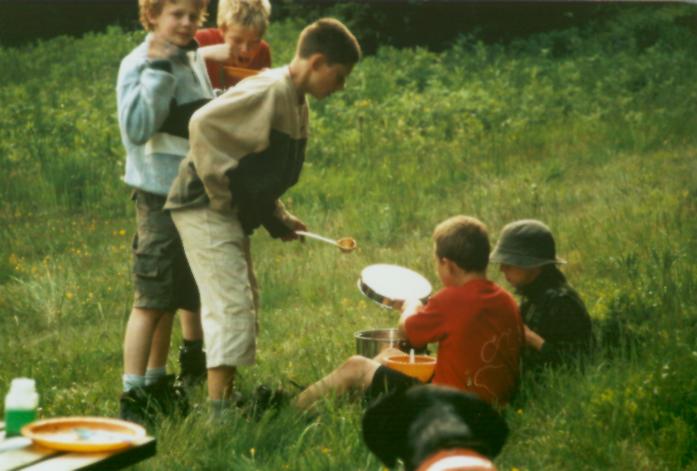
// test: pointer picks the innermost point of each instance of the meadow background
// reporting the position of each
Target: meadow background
(591, 128)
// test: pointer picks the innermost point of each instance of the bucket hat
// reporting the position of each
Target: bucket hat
(527, 243)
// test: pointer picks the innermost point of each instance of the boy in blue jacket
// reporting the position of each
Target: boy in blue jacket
(159, 85)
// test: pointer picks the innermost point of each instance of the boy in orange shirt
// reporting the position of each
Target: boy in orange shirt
(475, 322)
(236, 41)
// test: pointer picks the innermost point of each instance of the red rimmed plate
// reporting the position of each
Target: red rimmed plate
(84, 434)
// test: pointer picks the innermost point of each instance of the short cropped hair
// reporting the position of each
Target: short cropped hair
(331, 38)
(154, 8)
(463, 240)
(248, 13)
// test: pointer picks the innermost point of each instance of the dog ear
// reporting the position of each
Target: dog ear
(385, 423)
(488, 430)
(487, 425)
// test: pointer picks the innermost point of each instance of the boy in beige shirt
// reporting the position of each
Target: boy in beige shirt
(247, 149)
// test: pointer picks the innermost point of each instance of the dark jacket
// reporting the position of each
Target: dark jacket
(555, 311)
(247, 149)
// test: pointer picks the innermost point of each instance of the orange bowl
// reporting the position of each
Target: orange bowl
(421, 369)
(239, 73)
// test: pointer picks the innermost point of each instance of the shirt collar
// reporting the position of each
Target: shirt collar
(550, 277)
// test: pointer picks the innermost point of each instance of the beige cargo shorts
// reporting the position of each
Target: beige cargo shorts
(219, 255)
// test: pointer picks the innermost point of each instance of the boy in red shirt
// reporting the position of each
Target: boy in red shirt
(475, 322)
(236, 42)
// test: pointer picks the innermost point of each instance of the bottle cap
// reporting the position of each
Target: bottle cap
(23, 386)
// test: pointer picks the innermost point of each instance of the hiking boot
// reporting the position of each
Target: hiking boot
(136, 406)
(296, 385)
(265, 399)
(143, 404)
(169, 398)
(192, 363)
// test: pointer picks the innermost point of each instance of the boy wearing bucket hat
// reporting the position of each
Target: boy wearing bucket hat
(557, 324)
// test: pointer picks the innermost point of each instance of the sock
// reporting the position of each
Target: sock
(132, 381)
(154, 374)
(219, 406)
(193, 344)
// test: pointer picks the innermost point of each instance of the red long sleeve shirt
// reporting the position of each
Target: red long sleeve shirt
(480, 335)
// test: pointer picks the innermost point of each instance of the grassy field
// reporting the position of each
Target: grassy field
(592, 130)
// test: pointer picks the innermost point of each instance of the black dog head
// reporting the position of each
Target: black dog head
(413, 424)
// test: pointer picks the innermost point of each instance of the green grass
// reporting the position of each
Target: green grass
(592, 131)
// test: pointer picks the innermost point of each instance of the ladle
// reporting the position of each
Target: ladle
(345, 244)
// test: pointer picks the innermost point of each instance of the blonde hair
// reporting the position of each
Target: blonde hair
(463, 240)
(248, 13)
(330, 37)
(154, 8)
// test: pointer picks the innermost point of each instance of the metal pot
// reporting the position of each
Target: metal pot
(371, 342)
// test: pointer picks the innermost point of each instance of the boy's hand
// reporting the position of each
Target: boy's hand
(294, 224)
(162, 49)
(409, 308)
(532, 339)
(216, 52)
(411, 305)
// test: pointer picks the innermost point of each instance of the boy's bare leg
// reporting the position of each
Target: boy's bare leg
(140, 330)
(356, 373)
(191, 325)
(220, 382)
(159, 348)
(388, 352)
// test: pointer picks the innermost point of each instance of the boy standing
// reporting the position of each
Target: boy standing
(557, 324)
(247, 149)
(156, 80)
(237, 41)
(475, 322)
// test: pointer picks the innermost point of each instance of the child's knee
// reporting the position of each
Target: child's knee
(359, 370)
(148, 315)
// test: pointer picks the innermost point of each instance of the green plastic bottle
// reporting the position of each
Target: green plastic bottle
(20, 405)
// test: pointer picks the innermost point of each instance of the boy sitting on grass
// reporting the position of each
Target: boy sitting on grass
(557, 324)
(475, 322)
(236, 41)
(247, 149)
(160, 76)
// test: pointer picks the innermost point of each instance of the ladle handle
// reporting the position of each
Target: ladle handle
(312, 235)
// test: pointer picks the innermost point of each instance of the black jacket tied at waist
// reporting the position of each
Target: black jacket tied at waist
(261, 178)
